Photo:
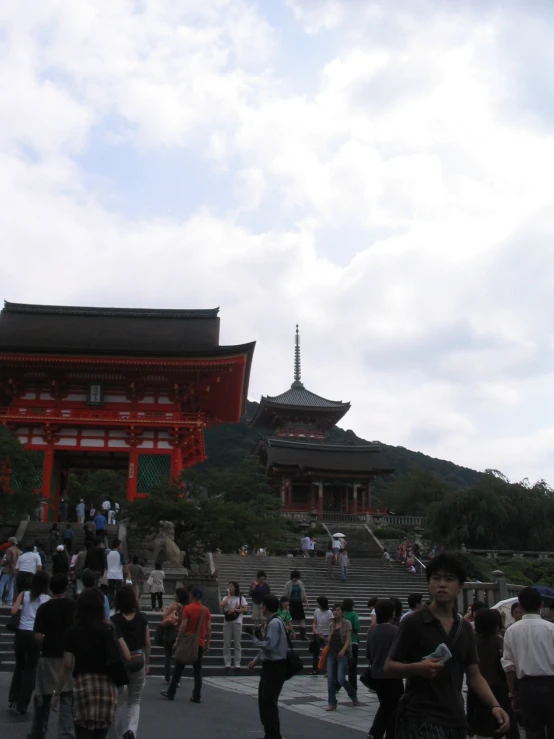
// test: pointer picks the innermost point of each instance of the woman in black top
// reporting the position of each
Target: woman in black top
(489, 648)
(132, 626)
(86, 646)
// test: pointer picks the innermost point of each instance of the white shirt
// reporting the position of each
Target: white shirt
(29, 610)
(306, 542)
(115, 560)
(529, 647)
(322, 620)
(236, 602)
(106, 505)
(29, 562)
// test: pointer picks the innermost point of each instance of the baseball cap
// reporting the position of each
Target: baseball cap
(60, 548)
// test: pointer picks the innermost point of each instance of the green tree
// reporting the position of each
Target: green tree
(94, 486)
(412, 494)
(496, 514)
(19, 476)
(204, 524)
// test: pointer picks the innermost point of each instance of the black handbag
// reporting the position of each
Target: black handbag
(159, 636)
(115, 663)
(314, 646)
(366, 679)
(12, 624)
(231, 616)
(294, 664)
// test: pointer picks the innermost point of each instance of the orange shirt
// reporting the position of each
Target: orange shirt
(192, 614)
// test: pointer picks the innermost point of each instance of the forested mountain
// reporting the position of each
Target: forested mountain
(227, 445)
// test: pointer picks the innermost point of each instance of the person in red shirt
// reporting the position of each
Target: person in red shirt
(192, 614)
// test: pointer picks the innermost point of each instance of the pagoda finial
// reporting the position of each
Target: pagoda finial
(297, 364)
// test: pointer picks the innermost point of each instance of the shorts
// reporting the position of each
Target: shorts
(257, 614)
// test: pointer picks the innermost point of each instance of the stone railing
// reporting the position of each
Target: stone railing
(508, 554)
(395, 521)
(489, 592)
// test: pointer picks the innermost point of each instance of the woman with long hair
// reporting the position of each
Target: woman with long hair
(86, 653)
(27, 649)
(132, 626)
(171, 622)
(296, 593)
(234, 607)
(489, 649)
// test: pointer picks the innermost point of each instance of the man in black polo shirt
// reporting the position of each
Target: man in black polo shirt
(432, 706)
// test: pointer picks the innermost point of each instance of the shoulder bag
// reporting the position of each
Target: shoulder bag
(233, 615)
(294, 664)
(12, 624)
(115, 663)
(186, 651)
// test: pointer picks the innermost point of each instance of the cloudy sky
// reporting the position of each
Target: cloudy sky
(380, 172)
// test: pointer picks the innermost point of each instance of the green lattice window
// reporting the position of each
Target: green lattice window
(153, 469)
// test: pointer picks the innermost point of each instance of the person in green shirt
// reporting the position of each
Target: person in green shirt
(351, 615)
(284, 615)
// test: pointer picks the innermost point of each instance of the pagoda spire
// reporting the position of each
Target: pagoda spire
(297, 362)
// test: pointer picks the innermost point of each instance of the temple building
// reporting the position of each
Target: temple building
(116, 388)
(313, 475)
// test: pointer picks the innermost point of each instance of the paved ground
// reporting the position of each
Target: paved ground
(229, 710)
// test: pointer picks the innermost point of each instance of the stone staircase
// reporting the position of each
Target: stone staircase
(360, 542)
(366, 578)
(39, 531)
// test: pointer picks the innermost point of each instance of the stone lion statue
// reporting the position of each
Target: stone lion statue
(165, 548)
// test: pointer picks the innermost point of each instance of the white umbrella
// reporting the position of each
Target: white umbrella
(339, 536)
(505, 606)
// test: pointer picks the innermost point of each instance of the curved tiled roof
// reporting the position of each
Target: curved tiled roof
(71, 310)
(300, 397)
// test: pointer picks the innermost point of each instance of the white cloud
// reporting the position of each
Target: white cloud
(400, 210)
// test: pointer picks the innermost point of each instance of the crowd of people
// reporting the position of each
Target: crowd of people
(87, 654)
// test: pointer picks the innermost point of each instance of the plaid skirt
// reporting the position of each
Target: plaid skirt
(94, 701)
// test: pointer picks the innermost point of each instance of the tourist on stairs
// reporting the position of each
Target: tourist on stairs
(86, 654)
(296, 593)
(27, 650)
(338, 657)
(171, 623)
(258, 590)
(234, 607)
(197, 621)
(321, 621)
(132, 626)
(156, 584)
(351, 615)
(53, 619)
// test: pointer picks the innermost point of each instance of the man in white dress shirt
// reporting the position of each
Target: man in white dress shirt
(529, 659)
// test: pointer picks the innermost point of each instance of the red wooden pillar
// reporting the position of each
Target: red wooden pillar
(289, 492)
(346, 498)
(132, 475)
(312, 496)
(47, 472)
(355, 498)
(320, 500)
(176, 464)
